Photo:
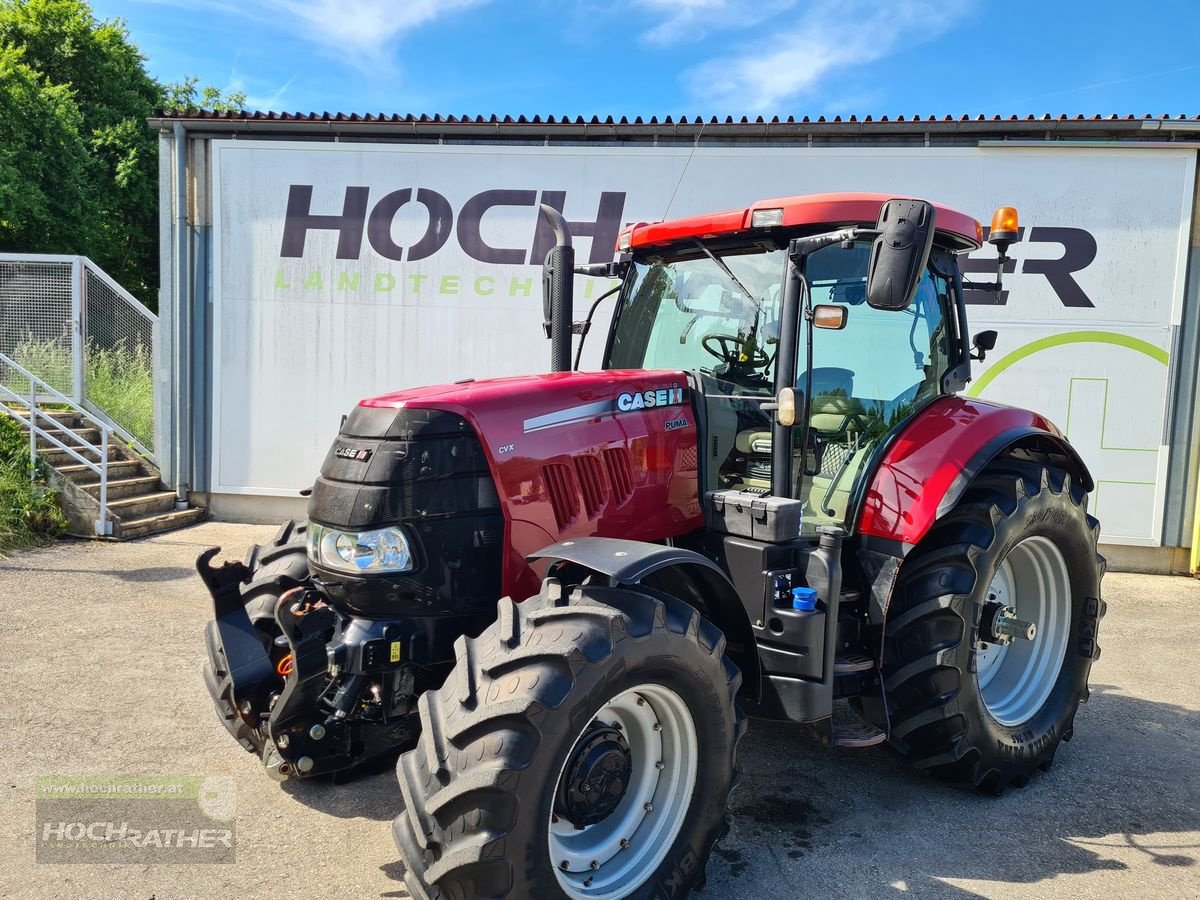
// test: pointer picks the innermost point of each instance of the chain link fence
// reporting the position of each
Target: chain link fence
(66, 321)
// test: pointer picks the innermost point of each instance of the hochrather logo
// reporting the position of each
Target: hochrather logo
(1078, 252)
(360, 215)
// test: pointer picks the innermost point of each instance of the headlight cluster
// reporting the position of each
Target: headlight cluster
(359, 552)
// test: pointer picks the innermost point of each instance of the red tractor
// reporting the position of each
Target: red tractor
(562, 594)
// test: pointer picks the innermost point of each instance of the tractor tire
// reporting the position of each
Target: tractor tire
(274, 568)
(610, 707)
(964, 706)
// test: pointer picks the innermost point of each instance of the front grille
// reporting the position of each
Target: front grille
(563, 493)
(592, 482)
(425, 470)
(620, 473)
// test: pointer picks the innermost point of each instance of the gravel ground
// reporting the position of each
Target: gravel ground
(100, 654)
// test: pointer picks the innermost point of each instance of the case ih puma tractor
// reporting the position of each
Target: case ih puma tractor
(561, 594)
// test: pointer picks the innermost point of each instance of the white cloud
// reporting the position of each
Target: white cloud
(362, 33)
(828, 39)
(268, 97)
(366, 29)
(693, 19)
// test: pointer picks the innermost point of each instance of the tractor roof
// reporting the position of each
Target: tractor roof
(827, 210)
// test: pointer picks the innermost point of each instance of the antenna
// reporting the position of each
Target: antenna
(687, 162)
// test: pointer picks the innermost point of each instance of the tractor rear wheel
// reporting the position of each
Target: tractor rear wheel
(583, 747)
(992, 629)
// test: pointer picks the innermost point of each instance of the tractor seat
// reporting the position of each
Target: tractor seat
(754, 442)
(831, 413)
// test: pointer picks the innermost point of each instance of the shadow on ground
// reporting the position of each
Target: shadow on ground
(146, 575)
(861, 824)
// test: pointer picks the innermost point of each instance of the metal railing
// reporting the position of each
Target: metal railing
(64, 319)
(39, 389)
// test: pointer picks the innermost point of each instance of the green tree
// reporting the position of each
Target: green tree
(102, 74)
(46, 202)
(180, 96)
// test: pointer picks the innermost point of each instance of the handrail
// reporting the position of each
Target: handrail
(103, 524)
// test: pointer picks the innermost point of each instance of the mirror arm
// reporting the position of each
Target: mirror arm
(615, 269)
(994, 287)
(800, 247)
(582, 328)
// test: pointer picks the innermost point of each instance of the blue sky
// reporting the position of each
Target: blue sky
(681, 57)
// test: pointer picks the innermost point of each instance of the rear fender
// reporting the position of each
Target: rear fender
(685, 574)
(938, 453)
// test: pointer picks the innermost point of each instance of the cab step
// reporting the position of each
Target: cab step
(857, 733)
(850, 662)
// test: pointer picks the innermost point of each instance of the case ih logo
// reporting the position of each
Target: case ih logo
(672, 396)
(352, 453)
(359, 215)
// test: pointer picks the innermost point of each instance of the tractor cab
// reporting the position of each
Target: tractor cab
(709, 295)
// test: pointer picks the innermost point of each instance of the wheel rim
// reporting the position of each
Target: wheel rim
(1016, 679)
(610, 858)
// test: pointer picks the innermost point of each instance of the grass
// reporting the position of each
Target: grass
(29, 510)
(119, 380)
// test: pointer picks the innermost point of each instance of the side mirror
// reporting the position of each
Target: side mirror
(983, 342)
(900, 253)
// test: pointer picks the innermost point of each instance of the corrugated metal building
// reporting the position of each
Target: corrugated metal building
(1110, 263)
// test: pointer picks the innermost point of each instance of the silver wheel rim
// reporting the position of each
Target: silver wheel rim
(615, 856)
(1016, 679)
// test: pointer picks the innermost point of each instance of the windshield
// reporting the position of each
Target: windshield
(691, 314)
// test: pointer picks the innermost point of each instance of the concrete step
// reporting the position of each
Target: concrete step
(91, 435)
(53, 456)
(128, 529)
(119, 489)
(138, 507)
(67, 418)
(120, 469)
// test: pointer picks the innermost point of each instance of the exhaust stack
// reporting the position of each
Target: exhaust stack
(558, 285)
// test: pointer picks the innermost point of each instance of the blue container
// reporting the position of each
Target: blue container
(804, 599)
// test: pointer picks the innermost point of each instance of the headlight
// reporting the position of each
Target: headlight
(359, 552)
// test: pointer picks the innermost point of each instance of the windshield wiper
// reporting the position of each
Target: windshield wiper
(729, 274)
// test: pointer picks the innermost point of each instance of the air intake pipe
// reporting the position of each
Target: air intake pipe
(558, 286)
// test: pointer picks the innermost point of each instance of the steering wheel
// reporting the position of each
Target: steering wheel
(730, 348)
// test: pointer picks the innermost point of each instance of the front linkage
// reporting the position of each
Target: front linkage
(311, 691)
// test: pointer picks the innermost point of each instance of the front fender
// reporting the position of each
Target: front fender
(928, 465)
(682, 573)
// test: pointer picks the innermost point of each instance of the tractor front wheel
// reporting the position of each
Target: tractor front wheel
(583, 747)
(991, 632)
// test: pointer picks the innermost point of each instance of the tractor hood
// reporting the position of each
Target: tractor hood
(540, 394)
(610, 453)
